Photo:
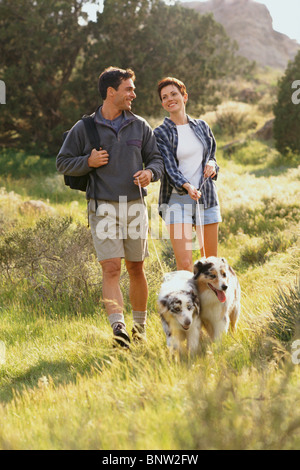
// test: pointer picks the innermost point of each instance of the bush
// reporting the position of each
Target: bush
(270, 215)
(286, 313)
(54, 260)
(167, 254)
(8, 214)
(252, 152)
(232, 118)
(20, 164)
(258, 250)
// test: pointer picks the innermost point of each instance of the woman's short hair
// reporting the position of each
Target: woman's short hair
(112, 77)
(171, 81)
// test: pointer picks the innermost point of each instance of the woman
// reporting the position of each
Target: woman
(188, 148)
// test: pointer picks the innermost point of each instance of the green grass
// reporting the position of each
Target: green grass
(63, 385)
(35, 177)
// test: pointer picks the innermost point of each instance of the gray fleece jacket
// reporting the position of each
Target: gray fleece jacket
(131, 149)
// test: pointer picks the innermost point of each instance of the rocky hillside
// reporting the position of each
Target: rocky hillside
(251, 25)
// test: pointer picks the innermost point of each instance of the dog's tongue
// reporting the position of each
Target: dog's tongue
(221, 296)
(219, 293)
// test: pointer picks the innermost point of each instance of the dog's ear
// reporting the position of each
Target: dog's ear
(195, 298)
(197, 269)
(165, 301)
(230, 269)
(201, 268)
(196, 301)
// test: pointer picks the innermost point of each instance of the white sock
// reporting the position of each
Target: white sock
(116, 318)
(139, 317)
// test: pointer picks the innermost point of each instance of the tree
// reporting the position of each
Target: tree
(287, 109)
(50, 62)
(39, 43)
(155, 40)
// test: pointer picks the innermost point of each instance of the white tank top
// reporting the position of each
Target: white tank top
(189, 154)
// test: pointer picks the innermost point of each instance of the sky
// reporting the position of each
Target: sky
(285, 14)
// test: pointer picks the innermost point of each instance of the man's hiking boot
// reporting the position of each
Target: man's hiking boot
(121, 336)
(138, 333)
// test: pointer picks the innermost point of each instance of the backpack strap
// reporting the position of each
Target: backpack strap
(92, 132)
(94, 139)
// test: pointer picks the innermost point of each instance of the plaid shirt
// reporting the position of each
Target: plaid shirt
(167, 141)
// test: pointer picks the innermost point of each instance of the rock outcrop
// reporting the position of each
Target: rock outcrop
(251, 25)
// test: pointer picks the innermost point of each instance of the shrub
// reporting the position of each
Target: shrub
(259, 250)
(286, 313)
(232, 118)
(167, 254)
(53, 260)
(8, 214)
(290, 158)
(252, 152)
(20, 164)
(270, 215)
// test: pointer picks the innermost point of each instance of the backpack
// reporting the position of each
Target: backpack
(81, 182)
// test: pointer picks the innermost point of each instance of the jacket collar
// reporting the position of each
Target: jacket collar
(128, 115)
(170, 123)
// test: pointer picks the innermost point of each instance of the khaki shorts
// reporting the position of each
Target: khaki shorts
(119, 229)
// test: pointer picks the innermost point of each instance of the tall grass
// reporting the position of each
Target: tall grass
(286, 313)
(64, 386)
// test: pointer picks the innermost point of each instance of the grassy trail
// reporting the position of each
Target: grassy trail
(63, 386)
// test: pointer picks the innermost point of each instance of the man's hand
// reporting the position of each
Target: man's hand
(142, 176)
(98, 158)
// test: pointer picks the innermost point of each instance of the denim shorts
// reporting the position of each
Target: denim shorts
(184, 210)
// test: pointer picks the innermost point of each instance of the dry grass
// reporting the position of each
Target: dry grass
(63, 386)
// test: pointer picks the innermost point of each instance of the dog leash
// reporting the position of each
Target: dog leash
(143, 248)
(201, 227)
(199, 215)
(205, 179)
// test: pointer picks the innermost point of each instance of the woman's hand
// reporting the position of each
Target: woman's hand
(210, 169)
(192, 191)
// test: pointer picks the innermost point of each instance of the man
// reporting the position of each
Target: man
(127, 161)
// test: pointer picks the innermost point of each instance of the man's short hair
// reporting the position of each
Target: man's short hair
(112, 77)
(171, 81)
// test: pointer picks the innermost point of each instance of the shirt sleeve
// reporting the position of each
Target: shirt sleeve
(213, 149)
(152, 157)
(72, 158)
